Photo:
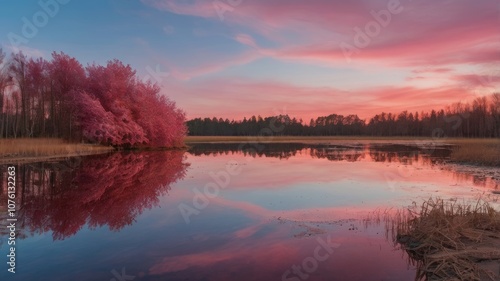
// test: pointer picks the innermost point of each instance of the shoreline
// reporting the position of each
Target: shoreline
(36, 150)
(24, 150)
(47, 158)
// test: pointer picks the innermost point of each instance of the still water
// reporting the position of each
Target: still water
(224, 212)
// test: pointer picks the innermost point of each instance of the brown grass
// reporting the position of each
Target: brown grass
(23, 149)
(450, 241)
(477, 152)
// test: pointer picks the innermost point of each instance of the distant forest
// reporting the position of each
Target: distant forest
(478, 119)
(60, 98)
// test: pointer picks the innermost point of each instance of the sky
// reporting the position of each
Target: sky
(238, 58)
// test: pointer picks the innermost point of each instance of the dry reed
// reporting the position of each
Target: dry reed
(449, 240)
(477, 153)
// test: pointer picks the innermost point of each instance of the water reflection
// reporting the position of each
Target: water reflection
(351, 153)
(405, 154)
(104, 190)
(277, 150)
(100, 214)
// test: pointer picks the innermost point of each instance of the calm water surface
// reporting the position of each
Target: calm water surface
(217, 212)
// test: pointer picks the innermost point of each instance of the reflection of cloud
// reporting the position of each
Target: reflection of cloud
(268, 253)
(232, 254)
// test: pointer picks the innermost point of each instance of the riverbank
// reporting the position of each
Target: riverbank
(29, 150)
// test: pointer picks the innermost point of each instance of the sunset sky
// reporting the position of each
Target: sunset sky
(236, 58)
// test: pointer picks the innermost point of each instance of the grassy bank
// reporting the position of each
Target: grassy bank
(451, 241)
(14, 150)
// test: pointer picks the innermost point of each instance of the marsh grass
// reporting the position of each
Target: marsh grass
(449, 240)
(13, 149)
(477, 152)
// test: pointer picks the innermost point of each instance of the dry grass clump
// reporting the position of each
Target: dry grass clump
(450, 240)
(482, 153)
(22, 148)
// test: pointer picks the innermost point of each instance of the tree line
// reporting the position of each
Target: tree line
(477, 119)
(108, 104)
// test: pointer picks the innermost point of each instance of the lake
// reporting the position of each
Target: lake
(286, 211)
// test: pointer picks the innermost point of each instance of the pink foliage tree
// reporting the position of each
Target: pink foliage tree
(117, 108)
(100, 126)
(99, 104)
(163, 123)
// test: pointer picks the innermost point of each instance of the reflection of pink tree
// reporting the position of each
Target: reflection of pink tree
(105, 190)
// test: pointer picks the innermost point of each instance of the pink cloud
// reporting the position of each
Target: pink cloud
(243, 98)
(208, 67)
(433, 70)
(425, 32)
(246, 39)
(478, 80)
(402, 53)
